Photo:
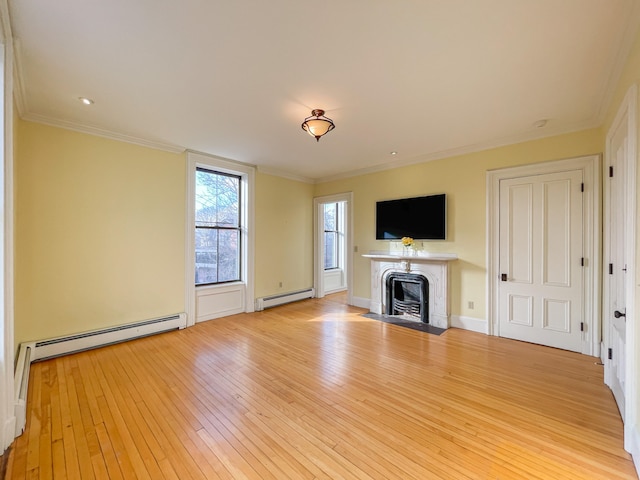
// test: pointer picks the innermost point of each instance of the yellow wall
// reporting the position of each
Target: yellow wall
(100, 226)
(284, 235)
(99, 232)
(463, 179)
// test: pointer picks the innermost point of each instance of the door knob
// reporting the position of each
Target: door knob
(619, 314)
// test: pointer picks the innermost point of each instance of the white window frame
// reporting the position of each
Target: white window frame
(8, 428)
(339, 239)
(207, 302)
(318, 245)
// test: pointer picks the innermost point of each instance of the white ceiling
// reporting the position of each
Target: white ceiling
(235, 78)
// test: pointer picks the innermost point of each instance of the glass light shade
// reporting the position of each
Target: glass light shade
(317, 124)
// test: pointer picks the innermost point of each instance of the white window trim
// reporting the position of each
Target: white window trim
(7, 350)
(247, 175)
(318, 244)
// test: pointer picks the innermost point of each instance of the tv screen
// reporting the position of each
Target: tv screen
(419, 218)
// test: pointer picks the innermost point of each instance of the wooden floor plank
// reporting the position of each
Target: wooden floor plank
(313, 390)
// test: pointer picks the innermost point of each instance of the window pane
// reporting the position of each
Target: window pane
(229, 258)
(330, 216)
(217, 199)
(206, 256)
(330, 250)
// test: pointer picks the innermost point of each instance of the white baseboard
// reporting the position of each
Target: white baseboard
(634, 447)
(37, 350)
(469, 323)
(281, 299)
(360, 302)
(8, 433)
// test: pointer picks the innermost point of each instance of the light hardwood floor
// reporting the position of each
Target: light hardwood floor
(313, 390)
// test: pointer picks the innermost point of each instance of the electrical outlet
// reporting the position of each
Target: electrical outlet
(280, 284)
(470, 305)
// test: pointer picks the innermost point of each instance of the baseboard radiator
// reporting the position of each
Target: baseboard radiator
(40, 350)
(274, 300)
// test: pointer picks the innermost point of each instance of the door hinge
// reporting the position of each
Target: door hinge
(611, 269)
(582, 187)
(582, 326)
(582, 262)
(611, 171)
(610, 354)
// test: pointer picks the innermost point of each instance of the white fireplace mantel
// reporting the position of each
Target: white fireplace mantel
(418, 256)
(432, 265)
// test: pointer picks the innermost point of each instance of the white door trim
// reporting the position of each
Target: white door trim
(590, 165)
(318, 242)
(627, 111)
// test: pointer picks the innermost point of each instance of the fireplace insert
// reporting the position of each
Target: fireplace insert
(408, 296)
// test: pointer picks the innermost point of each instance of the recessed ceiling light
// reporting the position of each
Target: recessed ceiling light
(540, 123)
(86, 101)
(393, 153)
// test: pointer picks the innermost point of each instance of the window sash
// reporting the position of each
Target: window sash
(331, 237)
(218, 235)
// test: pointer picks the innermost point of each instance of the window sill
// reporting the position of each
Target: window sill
(219, 286)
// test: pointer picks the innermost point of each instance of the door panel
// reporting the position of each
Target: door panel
(541, 233)
(555, 256)
(617, 211)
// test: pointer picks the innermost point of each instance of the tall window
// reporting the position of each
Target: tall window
(218, 227)
(331, 232)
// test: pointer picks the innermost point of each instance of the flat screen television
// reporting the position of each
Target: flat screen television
(423, 218)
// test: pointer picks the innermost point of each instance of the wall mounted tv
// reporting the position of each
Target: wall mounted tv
(423, 218)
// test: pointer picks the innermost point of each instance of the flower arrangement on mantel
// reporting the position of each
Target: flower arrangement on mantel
(408, 244)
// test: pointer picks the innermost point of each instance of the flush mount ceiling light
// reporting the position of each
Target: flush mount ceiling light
(85, 100)
(317, 124)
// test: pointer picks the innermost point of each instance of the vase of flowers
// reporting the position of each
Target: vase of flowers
(408, 244)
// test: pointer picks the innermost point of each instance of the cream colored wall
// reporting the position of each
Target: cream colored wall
(99, 232)
(463, 179)
(284, 235)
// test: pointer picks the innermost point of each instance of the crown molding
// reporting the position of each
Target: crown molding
(454, 152)
(5, 22)
(103, 133)
(218, 158)
(280, 173)
(628, 38)
(19, 89)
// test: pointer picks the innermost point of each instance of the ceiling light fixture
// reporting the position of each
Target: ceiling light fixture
(86, 101)
(317, 124)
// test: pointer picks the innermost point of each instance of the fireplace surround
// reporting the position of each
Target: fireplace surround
(432, 266)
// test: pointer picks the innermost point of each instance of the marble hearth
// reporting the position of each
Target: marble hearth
(433, 266)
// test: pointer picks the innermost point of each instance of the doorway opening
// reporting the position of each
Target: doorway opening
(332, 246)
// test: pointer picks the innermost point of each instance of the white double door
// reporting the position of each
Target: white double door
(540, 292)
